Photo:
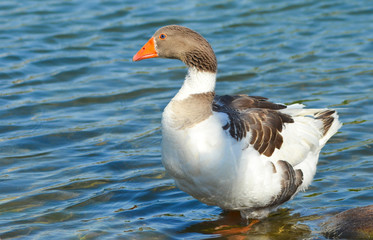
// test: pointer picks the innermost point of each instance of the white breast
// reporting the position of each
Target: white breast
(213, 167)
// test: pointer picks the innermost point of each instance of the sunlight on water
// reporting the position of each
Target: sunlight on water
(80, 153)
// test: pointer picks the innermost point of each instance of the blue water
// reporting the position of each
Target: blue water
(80, 122)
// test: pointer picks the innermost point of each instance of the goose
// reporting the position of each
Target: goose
(237, 152)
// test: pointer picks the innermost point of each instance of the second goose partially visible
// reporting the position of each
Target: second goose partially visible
(237, 152)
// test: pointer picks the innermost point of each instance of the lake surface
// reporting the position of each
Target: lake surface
(80, 154)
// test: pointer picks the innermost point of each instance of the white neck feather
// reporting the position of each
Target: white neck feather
(196, 82)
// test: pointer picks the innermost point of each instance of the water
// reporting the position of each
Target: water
(80, 122)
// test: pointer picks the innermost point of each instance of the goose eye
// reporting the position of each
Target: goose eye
(162, 36)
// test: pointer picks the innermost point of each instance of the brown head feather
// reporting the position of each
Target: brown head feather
(186, 45)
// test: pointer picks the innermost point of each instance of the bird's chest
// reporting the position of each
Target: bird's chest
(198, 156)
(202, 162)
(197, 152)
(192, 150)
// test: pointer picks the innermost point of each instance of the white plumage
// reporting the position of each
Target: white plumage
(237, 152)
(207, 163)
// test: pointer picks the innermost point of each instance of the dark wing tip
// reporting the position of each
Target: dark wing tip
(327, 118)
(291, 180)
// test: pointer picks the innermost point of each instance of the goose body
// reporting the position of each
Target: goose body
(237, 152)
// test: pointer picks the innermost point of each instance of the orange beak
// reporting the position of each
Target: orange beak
(147, 51)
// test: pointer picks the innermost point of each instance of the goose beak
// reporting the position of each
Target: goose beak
(147, 51)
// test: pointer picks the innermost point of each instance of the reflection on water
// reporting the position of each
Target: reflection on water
(280, 225)
(80, 123)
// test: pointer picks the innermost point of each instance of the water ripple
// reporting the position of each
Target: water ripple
(80, 129)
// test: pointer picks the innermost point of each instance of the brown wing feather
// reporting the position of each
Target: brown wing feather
(242, 102)
(290, 182)
(327, 117)
(255, 115)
